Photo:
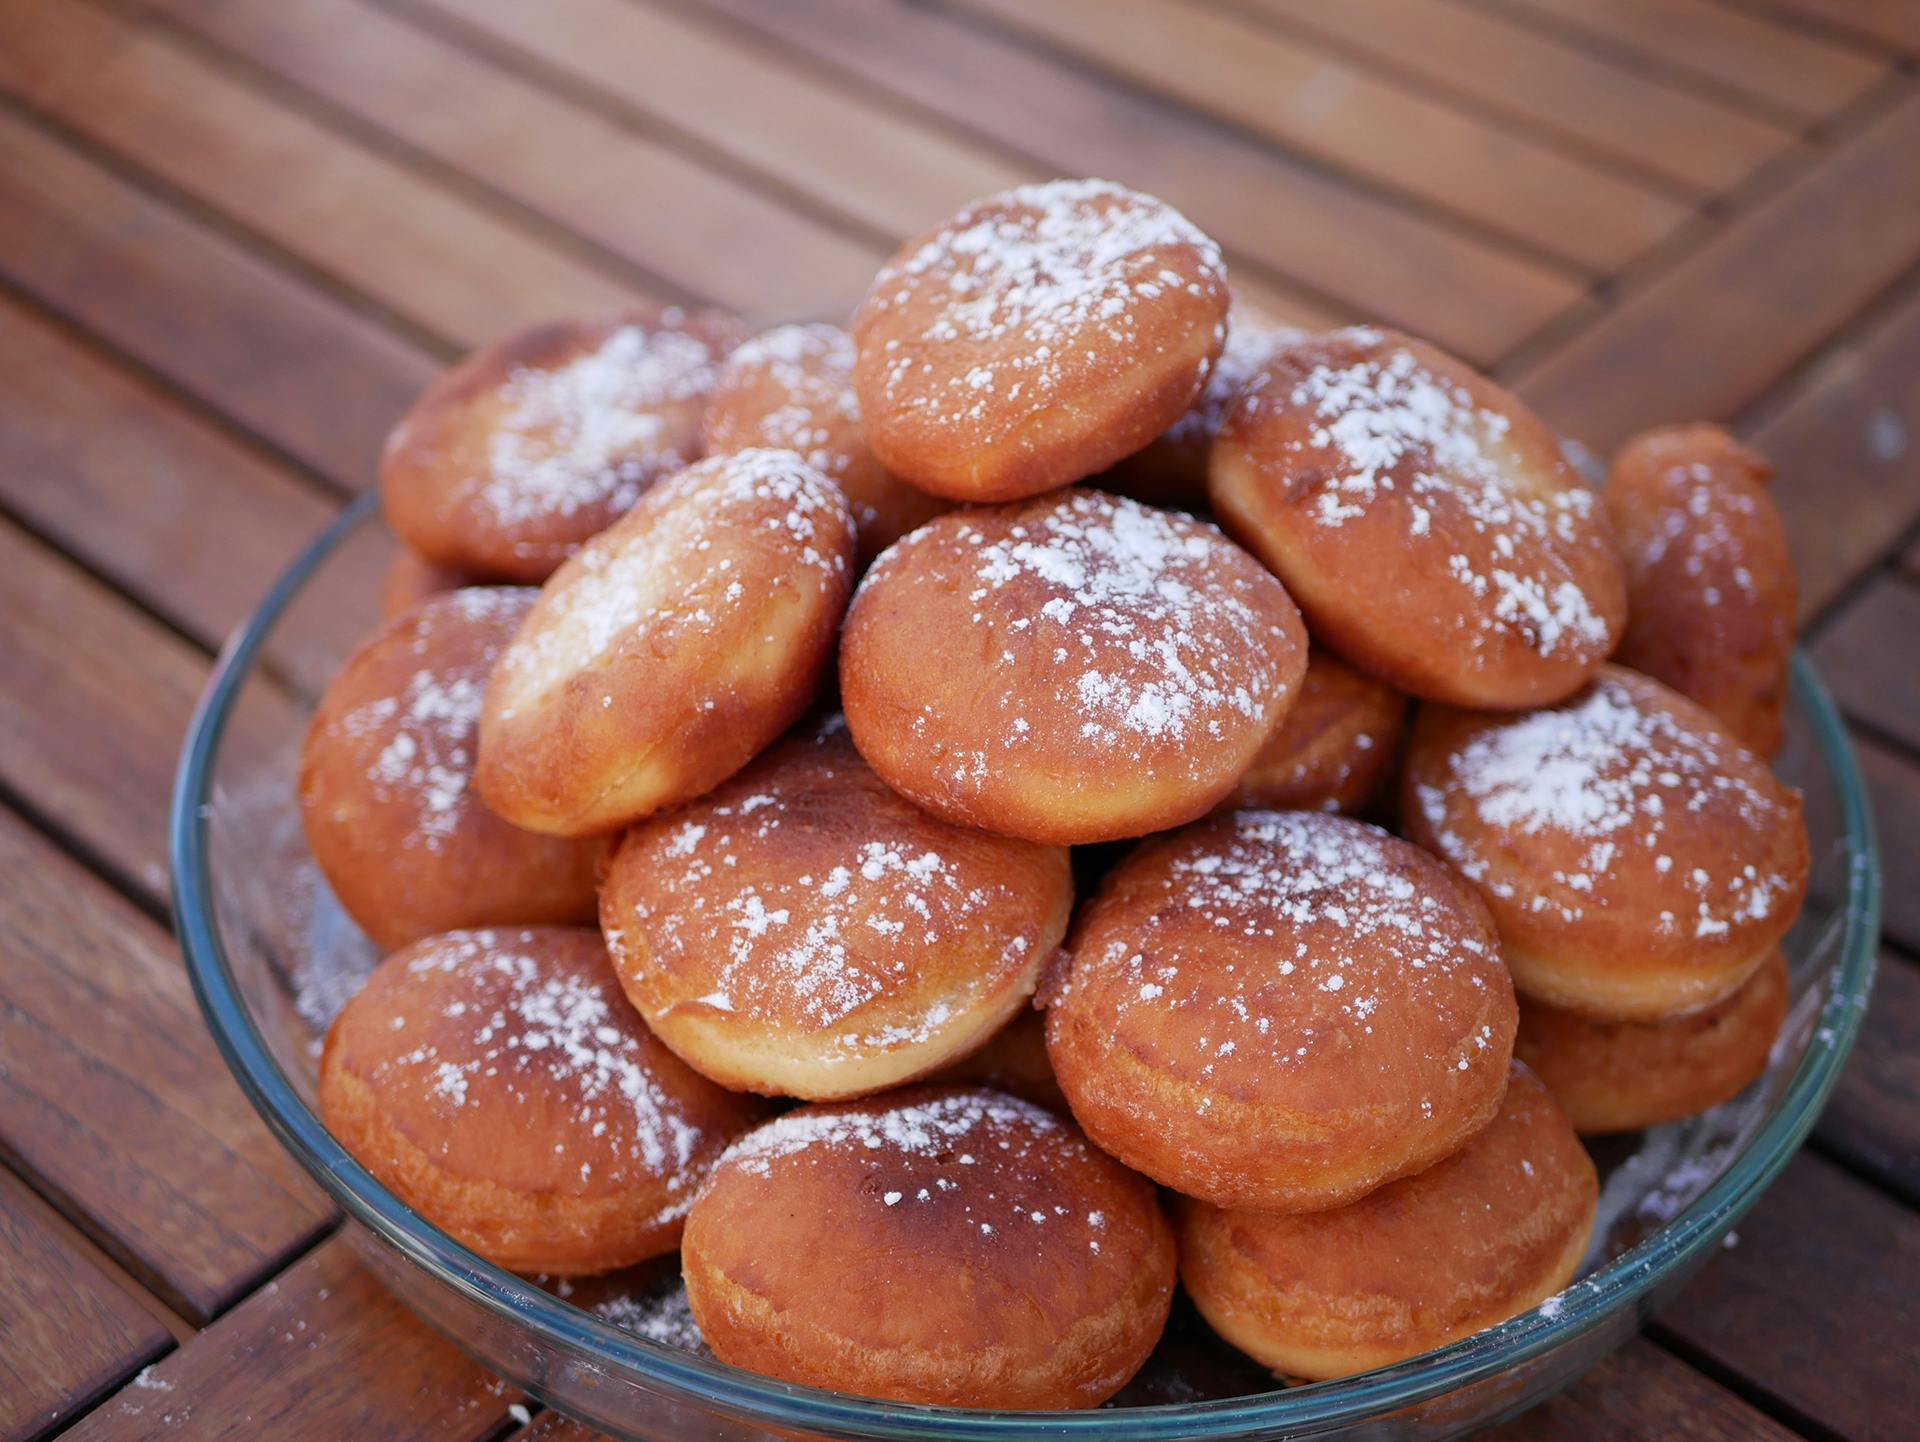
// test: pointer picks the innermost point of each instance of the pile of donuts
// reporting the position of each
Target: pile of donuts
(895, 814)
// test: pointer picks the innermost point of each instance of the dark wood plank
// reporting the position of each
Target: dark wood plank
(1874, 1116)
(1641, 1392)
(1893, 781)
(1371, 258)
(1865, 653)
(1709, 335)
(67, 1333)
(1301, 99)
(448, 265)
(1743, 54)
(1491, 62)
(321, 1353)
(1818, 1304)
(700, 231)
(1894, 23)
(312, 375)
(115, 1100)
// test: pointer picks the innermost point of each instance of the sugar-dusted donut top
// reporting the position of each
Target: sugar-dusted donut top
(808, 369)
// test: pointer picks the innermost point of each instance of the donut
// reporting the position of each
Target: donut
(1073, 668)
(792, 388)
(386, 793)
(1013, 1060)
(1427, 523)
(1637, 859)
(1335, 748)
(1486, 1234)
(412, 578)
(500, 1085)
(1710, 585)
(518, 454)
(1281, 1010)
(1171, 469)
(1619, 1076)
(948, 1245)
(676, 644)
(804, 931)
(1035, 338)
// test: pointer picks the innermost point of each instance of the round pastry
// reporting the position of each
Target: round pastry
(526, 448)
(1427, 523)
(804, 931)
(1710, 588)
(671, 649)
(1013, 1060)
(1619, 1076)
(1482, 1236)
(1638, 860)
(1035, 338)
(1282, 1010)
(386, 790)
(412, 578)
(1074, 668)
(499, 1083)
(939, 1244)
(1335, 748)
(1171, 470)
(792, 388)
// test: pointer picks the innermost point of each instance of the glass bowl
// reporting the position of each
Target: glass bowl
(272, 956)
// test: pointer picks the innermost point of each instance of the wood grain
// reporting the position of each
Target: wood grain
(1638, 1393)
(1895, 23)
(1862, 655)
(1874, 1115)
(1893, 782)
(67, 1332)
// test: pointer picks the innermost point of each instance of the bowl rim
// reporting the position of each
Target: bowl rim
(519, 1304)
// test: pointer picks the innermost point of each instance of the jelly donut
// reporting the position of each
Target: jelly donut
(1638, 860)
(499, 1083)
(1035, 338)
(804, 931)
(1427, 523)
(412, 578)
(1484, 1235)
(386, 791)
(1336, 747)
(792, 388)
(1710, 587)
(1624, 1075)
(1171, 470)
(526, 448)
(1074, 668)
(939, 1244)
(671, 649)
(1282, 1010)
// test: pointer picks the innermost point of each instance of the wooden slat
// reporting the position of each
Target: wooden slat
(321, 1353)
(312, 375)
(1641, 1392)
(450, 266)
(1741, 53)
(67, 1332)
(115, 1100)
(1818, 1304)
(1889, 22)
(698, 230)
(1708, 336)
(1893, 781)
(1858, 653)
(1372, 258)
(1488, 60)
(1874, 1115)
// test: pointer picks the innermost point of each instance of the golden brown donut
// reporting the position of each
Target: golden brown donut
(1619, 1076)
(1074, 668)
(1013, 1060)
(1282, 1010)
(1710, 586)
(1495, 1229)
(804, 931)
(1171, 469)
(793, 388)
(1427, 523)
(412, 578)
(526, 448)
(939, 1244)
(1336, 746)
(499, 1083)
(674, 646)
(386, 790)
(1036, 337)
(1638, 860)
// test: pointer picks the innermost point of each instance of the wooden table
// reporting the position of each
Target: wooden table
(237, 236)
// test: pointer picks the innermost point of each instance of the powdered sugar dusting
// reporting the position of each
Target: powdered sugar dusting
(1248, 347)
